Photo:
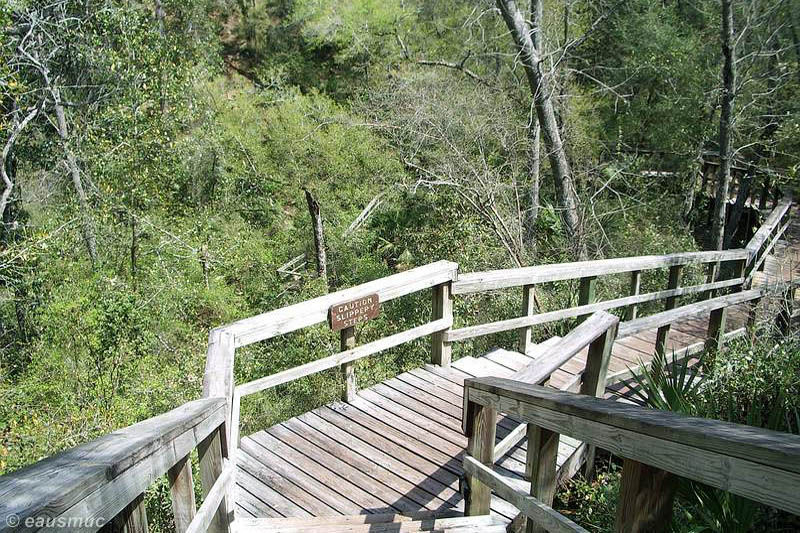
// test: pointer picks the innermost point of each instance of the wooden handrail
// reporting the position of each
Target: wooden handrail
(565, 349)
(626, 329)
(517, 277)
(770, 224)
(756, 463)
(92, 483)
(314, 311)
(561, 314)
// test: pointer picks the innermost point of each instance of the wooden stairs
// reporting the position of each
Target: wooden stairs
(372, 523)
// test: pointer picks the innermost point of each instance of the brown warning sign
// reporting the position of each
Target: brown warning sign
(348, 314)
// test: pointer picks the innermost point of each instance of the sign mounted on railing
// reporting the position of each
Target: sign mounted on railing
(348, 314)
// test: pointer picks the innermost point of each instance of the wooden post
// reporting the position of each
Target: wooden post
(636, 282)
(132, 519)
(674, 282)
(442, 308)
(784, 318)
(586, 294)
(218, 379)
(348, 342)
(716, 329)
(210, 453)
(181, 489)
(540, 467)
(481, 429)
(645, 499)
(528, 309)
(593, 382)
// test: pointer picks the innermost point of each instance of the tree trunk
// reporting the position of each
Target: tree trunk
(725, 125)
(745, 186)
(530, 57)
(319, 236)
(534, 140)
(89, 233)
(534, 166)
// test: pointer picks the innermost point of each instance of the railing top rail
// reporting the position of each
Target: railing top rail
(771, 448)
(515, 277)
(566, 348)
(310, 312)
(769, 225)
(55, 484)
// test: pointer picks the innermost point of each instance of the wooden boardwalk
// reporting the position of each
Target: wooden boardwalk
(398, 447)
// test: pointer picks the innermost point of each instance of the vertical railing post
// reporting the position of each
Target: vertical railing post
(674, 282)
(716, 329)
(540, 467)
(636, 284)
(645, 499)
(347, 341)
(441, 350)
(593, 382)
(132, 519)
(528, 309)
(480, 426)
(181, 487)
(586, 294)
(210, 452)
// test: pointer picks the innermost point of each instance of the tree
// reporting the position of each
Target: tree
(541, 93)
(725, 125)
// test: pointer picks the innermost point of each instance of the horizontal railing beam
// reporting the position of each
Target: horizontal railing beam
(765, 230)
(59, 483)
(572, 312)
(315, 311)
(515, 277)
(626, 329)
(344, 357)
(766, 253)
(205, 515)
(756, 463)
(565, 349)
(513, 491)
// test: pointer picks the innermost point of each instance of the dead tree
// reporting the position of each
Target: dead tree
(725, 125)
(319, 235)
(541, 92)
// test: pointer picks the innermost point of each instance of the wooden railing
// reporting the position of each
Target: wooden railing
(219, 379)
(102, 483)
(742, 263)
(105, 479)
(755, 463)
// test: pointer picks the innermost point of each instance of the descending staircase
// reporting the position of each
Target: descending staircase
(372, 523)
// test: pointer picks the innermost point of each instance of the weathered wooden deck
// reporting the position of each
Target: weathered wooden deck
(398, 447)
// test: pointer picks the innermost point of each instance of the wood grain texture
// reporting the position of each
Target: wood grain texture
(511, 490)
(751, 462)
(112, 470)
(442, 306)
(645, 501)
(314, 311)
(181, 488)
(515, 277)
(343, 357)
(575, 341)
(561, 314)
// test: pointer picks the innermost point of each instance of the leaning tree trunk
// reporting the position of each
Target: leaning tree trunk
(725, 125)
(319, 236)
(530, 56)
(89, 233)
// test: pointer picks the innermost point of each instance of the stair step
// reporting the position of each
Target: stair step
(375, 523)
